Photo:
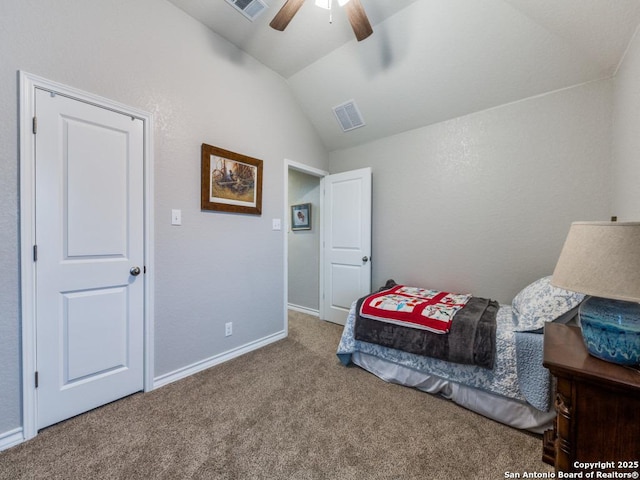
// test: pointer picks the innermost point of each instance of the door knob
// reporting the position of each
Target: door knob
(135, 271)
(365, 259)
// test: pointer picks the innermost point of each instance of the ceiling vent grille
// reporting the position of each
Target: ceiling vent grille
(348, 116)
(249, 8)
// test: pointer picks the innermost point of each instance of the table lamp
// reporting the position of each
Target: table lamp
(602, 260)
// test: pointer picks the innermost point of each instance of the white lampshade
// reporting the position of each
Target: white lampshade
(601, 259)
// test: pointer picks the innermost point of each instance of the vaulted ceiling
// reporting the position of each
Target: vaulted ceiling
(428, 60)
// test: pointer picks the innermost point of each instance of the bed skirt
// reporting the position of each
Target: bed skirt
(501, 409)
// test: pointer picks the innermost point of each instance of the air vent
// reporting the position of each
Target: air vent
(249, 8)
(348, 116)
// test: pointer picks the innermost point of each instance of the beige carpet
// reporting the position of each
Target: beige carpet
(287, 411)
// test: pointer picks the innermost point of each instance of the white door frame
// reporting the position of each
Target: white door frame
(315, 172)
(28, 84)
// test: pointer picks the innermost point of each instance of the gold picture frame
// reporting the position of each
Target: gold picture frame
(230, 182)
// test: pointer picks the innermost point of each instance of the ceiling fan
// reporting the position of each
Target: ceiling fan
(355, 12)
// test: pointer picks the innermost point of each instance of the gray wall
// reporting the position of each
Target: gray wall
(304, 245)
(626, 128)
(483, 203)
(148, 54)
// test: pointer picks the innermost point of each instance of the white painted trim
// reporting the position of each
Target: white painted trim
(28, 85)
(27, 266)
(149, 249)
(301, 167)
(316, 172)
(11, 438)
(196, 367)
(301, 309)
(321, 302)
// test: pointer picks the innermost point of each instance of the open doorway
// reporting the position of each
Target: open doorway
(303, 238)
(338, 270)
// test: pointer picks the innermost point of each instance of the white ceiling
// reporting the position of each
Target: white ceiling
(428, 60)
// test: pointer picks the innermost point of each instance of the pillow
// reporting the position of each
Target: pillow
(541, 302)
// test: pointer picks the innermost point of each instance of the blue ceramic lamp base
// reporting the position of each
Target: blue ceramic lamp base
(611, 329)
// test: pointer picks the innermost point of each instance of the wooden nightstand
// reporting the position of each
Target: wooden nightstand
(597, 404)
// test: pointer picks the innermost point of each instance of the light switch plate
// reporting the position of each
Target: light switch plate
(176, 217)
(276, 224)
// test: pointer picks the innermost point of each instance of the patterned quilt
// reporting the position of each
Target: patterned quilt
(414, 307)
(471, 338)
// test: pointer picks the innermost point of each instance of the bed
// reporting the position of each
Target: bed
(516, 390)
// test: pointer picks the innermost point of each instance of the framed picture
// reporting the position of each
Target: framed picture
(230, 182)
(301, 216)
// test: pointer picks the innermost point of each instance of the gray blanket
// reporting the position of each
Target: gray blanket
(471, 339)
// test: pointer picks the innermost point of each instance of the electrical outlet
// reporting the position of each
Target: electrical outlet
(228, 329)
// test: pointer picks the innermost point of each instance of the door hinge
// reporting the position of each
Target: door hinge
(36, 379)
(35, 253)
(144, 269)
(35, 125)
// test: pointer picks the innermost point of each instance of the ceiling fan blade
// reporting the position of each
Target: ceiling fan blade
(358, 19)
(286, 13)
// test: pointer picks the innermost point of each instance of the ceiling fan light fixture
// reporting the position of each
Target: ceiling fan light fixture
(353, 8)
(326, 4)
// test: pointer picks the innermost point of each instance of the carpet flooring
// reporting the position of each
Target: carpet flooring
(286, 411)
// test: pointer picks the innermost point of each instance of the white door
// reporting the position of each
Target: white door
(89, 235)
(347, 241)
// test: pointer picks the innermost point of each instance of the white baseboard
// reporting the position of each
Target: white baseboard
(189, 370)
(308, 311)
(11, 438)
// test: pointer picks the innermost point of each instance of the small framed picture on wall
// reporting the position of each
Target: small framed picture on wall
(301, 216)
